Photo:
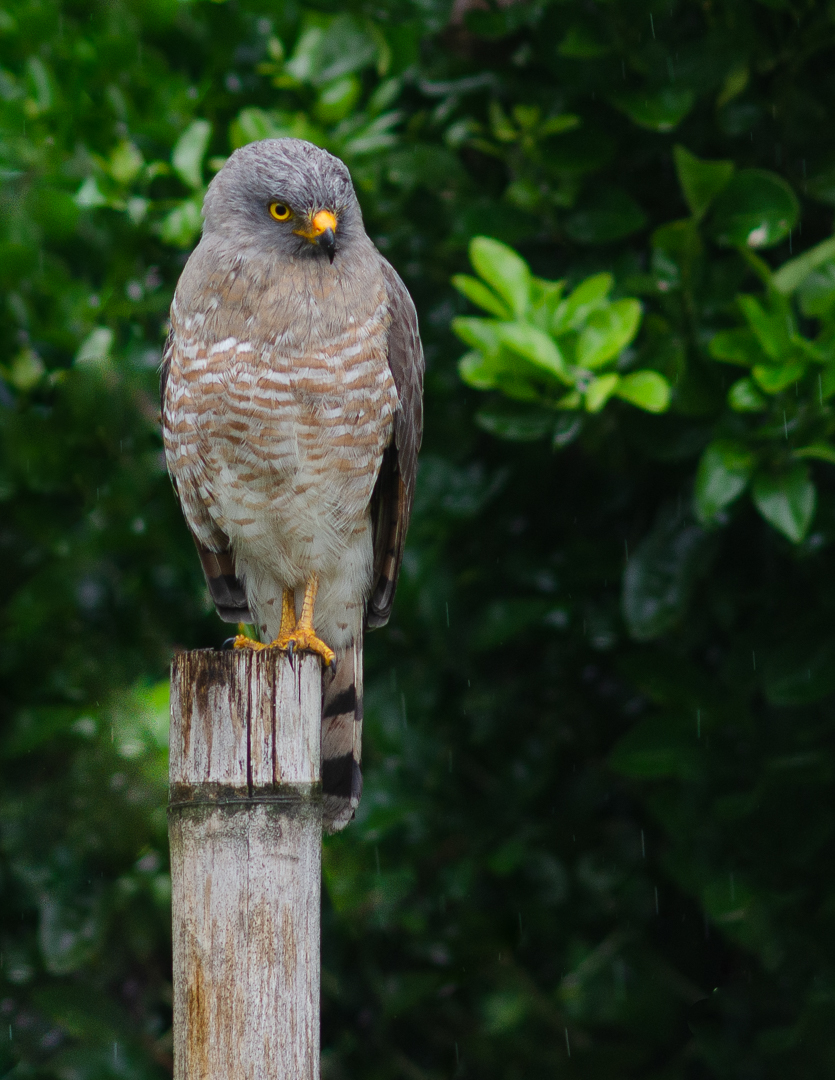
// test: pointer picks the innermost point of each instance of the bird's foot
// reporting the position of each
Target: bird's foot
(304, 639)
(298, 640)
(294, 636)
(241, 641)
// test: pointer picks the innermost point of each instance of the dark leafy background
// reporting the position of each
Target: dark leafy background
(596, 838)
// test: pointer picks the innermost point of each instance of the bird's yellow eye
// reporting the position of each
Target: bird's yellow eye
(280, 211)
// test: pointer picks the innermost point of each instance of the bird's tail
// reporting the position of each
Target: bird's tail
(342, 738)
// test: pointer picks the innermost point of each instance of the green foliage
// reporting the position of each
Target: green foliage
(701, 181)
(542, 342)
(598, 759)
(585, 332)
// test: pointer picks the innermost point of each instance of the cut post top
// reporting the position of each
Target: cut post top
(244, 723)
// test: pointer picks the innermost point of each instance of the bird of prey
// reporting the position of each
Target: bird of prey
(291, 392)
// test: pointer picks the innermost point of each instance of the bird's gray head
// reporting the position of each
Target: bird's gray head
(285, 197)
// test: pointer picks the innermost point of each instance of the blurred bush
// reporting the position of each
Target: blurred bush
(598, 805)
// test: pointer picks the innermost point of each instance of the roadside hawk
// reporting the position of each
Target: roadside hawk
(292, 415)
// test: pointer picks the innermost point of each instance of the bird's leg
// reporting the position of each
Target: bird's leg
(288, 623)
(303, 637)
(288, 619)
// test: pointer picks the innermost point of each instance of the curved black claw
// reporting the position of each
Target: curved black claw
(229, 643)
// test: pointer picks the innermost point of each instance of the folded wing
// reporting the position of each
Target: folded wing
(391, 502)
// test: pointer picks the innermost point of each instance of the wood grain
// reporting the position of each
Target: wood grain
(245, 821)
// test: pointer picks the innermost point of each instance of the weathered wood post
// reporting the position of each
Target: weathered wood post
(245, 821)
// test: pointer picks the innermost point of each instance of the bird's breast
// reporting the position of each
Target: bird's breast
(281, 430)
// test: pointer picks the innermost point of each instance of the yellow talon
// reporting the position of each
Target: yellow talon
(243, 642)
(294, 636)
(303, 640)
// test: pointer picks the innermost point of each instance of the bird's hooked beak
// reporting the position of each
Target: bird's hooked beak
(320, 229)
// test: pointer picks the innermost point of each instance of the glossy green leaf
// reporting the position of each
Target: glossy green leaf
(723, 474)
(325, 53)
(600, 390)
(125, 163)
(41, 81)
(660, 576)
(819, 451)
(609, 214)
(373, 137)
(608, 330)
(96, 349)
(251, 125)
(821, 185)
(793, 273)
(337, 99)
(649, 390)
(181, 226)
(658, 110)
(546, 298)
(701, 181)
(189, 151)
(817, 293)
(736, 347)
(773, 329)
(503, 270)
(539, 348)
(826, 384)
(588, 296)
(479, 294)
(477, 370)
(25, 371)
(557, 125)
(481, 334)
(89, 195)
(572, 400)
(776, 377)
(744, 397)
(786, 500)
(679, 240)
(757, 209)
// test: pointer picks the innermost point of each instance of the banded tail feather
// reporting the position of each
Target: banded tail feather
(342, 738)
(225, 586)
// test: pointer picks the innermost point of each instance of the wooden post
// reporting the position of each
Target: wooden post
(245, 821)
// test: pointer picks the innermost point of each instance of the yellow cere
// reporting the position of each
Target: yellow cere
(323, 221)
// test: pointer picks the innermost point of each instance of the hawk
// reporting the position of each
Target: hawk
(291, 392)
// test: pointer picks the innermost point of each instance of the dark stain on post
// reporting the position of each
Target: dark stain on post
(197, 1032)
(198, 672)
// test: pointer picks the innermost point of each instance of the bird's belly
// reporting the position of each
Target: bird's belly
(288, 457)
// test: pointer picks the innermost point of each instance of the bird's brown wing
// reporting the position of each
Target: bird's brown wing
(212, 544)
(391, 502)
